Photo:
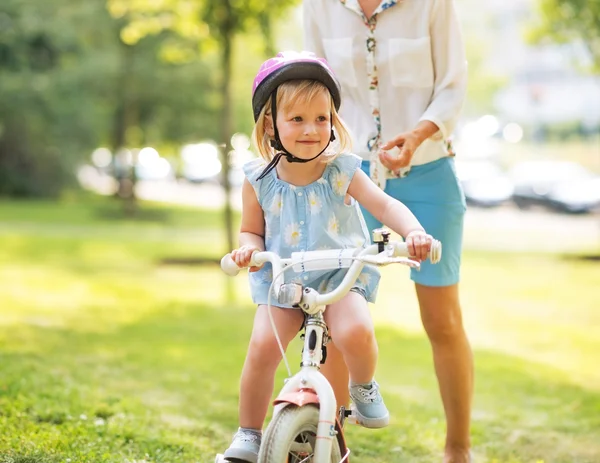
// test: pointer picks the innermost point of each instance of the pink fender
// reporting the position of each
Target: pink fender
(299, 398)
(303, 397)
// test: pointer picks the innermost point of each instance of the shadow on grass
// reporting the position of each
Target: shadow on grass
(190, 261)
(164, 388)
(584, 257)
(16, 458)
(141, 214)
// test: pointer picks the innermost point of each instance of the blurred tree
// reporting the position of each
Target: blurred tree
(568, 20)
(41, 126)
(230, 17)
(65, 80)
(483, 82)
(214, 24)
(156, 101)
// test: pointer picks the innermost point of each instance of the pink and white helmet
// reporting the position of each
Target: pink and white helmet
(292, 65)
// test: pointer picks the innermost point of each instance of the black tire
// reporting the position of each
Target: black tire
(291, 435)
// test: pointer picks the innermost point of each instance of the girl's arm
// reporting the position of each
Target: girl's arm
(384, 208)
(391, 213)
(252, 229)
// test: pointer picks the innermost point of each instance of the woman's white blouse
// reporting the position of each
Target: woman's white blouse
(403, 65)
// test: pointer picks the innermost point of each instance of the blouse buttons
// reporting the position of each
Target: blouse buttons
(299, 193)
(302, 222)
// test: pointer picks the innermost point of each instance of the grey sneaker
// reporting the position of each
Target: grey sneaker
(368, 406)
(244, 447)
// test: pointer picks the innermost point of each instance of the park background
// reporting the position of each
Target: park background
(123, 125)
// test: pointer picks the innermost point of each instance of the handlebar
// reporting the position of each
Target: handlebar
(352, 258)
(258, 258)
(328, 259)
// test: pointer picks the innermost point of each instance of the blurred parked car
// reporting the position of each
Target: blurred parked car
(484, 183)
(151, 166)
(560, 185)
(236, 176)
(201, 162)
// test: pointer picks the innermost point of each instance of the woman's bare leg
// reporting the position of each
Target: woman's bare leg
(453, 361)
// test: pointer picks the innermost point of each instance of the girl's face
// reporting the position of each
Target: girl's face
(305, 126)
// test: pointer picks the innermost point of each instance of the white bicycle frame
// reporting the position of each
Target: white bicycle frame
(297, 389)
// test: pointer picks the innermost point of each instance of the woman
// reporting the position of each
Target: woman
(403, 72)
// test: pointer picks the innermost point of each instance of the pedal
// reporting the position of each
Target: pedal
(345, 415)
(351, 418)
(220, 458)
(350, 415)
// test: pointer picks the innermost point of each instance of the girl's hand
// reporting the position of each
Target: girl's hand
(418, 243)
(242, 255)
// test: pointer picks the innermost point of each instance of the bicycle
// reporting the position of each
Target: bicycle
(306, 427)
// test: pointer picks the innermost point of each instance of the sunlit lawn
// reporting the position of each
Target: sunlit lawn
(108, 356)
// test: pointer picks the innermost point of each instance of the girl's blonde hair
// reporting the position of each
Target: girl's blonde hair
(287, 94)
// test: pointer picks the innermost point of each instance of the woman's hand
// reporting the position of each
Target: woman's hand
(418, 243)
(242, 255)
(407, 143)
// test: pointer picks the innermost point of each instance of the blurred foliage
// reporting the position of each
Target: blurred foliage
(568, 20)
(206, 30)
(212, 24)
(78, 75)
(483, 82)
(43, 66)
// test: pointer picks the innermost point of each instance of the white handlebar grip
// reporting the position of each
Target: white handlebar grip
(229, 266)
(435, 255)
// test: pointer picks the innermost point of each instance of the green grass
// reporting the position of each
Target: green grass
(108, 356)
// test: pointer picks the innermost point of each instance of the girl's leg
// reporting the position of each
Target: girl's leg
(442, 319)
(352, 330)
(336, 372)
(256, 385)
(262, 359)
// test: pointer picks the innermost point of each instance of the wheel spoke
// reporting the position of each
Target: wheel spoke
(306, 459)
(292, 437)
(302, 449)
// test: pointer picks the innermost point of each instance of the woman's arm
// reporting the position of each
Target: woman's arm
(450, 68)
(450, 87)
(384, 208)
(408, 143)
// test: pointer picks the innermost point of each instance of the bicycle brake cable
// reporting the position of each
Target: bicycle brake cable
(269, 306)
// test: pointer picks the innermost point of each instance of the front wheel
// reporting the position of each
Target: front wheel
(291, 436)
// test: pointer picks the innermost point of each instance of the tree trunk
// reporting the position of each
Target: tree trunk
(123, 119)
(226, 122)
(267, 32)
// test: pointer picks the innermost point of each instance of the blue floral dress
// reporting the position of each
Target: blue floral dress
(309, 218)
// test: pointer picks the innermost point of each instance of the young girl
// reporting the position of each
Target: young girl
(309, 201)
